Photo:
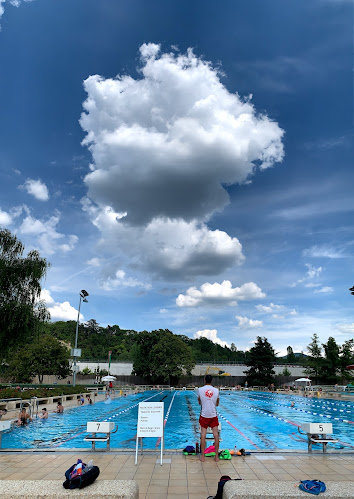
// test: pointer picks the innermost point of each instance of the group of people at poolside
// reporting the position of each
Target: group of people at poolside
(24, 417)
(81, 400)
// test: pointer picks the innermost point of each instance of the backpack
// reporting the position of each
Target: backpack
(88, 476)
(222, 481)
(189, 451)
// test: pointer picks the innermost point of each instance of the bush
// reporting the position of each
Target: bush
(8, 393)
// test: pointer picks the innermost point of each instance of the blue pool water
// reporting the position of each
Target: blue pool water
(253, 420)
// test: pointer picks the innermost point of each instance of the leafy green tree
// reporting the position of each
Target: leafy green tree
(20, 287)
(331, 363)
(346, 359)
(285, 372)
(44, 356)
(261, 360)
(314, 360)
(161, 356)
(290, 357)
(171, 358)
(86, 371)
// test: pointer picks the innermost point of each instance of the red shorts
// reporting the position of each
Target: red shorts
(208, 422)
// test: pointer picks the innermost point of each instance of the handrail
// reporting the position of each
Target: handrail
(12, 400)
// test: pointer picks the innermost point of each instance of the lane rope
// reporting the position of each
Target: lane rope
(107, 419)
(328, 416)
(239, 431)
(166, 418)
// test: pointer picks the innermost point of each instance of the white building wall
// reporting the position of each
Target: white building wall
(125, 368)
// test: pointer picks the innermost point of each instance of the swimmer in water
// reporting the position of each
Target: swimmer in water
(292, 404)
(60, 408)
(23, 417)
(44, 414)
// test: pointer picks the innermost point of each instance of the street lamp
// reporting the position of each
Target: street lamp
(77, 352)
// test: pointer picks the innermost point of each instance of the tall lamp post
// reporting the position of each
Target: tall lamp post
(77, 352)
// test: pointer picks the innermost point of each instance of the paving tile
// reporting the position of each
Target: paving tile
(156, 489)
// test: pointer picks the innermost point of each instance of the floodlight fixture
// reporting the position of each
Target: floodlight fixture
(83, 294)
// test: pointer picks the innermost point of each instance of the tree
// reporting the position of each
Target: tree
(261, 360)
(86, 371)
(314, 360)
(285, 372)
(20, 287)
(44, 356)
(171, 358)
(161, 356)
(290, 357)
(346, 358)
(330, 364)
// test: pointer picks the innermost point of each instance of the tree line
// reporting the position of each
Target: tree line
(31, 345)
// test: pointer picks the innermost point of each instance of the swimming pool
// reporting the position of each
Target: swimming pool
(253, 420)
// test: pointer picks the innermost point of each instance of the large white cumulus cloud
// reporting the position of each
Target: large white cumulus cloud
(165, 145)
(166, 248)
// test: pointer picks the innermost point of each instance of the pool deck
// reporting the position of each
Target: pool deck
(182, 477)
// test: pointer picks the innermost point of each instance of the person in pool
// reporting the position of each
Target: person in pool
(44, 414)
(60, 408)
(23, 417)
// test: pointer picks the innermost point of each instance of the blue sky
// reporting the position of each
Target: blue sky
(189, 164)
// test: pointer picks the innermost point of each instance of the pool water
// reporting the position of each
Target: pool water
(253, 420)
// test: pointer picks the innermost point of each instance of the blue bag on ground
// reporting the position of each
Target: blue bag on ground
(78, 481)
(312, 486)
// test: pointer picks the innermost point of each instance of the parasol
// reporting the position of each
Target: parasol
(108, 378)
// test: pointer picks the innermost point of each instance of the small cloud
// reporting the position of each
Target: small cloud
(325, 289)
(212, 335)
(323, 251)
(246, 323)
(5, 218)
(272, 308)
(36, 188)
(59, 311)
(120, 280)
(45, 235)
(94, 262)
(219, 294)
(269, 308)
(163, 311)
(312, 273)
(345, 328)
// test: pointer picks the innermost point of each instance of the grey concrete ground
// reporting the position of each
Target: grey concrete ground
(53, 489)
(185, 477)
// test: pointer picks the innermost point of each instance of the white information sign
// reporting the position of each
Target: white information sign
(150, 419)
(150, 423)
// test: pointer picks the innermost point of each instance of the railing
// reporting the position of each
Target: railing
(13, 404)
(152, 387)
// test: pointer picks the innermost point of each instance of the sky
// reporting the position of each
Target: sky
(188, 163)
